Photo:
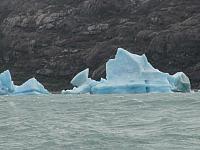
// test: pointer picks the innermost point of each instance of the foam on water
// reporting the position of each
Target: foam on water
(141, 122)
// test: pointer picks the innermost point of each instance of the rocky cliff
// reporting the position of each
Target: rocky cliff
(55, 39)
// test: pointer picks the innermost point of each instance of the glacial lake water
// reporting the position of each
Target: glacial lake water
(92, 122)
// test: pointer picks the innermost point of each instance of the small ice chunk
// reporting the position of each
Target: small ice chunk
(82, 83)
(81, 78)
(7, 86)
(180, 82)
(6, 83)
(30, 87)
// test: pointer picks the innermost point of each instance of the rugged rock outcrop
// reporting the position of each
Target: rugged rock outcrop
(55, 39)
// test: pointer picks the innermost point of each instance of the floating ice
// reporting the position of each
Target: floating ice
(30, 87)
(180, 82)
(6, 84)
(130, 73)
(82, 83)
(81, 78)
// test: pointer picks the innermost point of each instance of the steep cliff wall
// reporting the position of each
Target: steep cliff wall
(55, 39)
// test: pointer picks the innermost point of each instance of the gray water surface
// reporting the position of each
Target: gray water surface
(118, 122)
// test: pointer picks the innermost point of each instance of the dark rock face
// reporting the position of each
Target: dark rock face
(55, 39)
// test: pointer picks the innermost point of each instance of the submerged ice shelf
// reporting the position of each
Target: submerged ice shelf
(130, 73)
(30, 87)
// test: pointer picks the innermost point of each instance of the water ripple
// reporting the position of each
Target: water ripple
(141, 122)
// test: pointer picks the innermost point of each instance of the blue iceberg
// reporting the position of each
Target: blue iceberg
(82, 83)
(30, 87)
(130, 73)
(6, 83)
(180, 82)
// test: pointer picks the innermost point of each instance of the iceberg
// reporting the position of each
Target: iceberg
(6, 83)
(128, 74)
(30, 87)
(82, 83)
(180, 82)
